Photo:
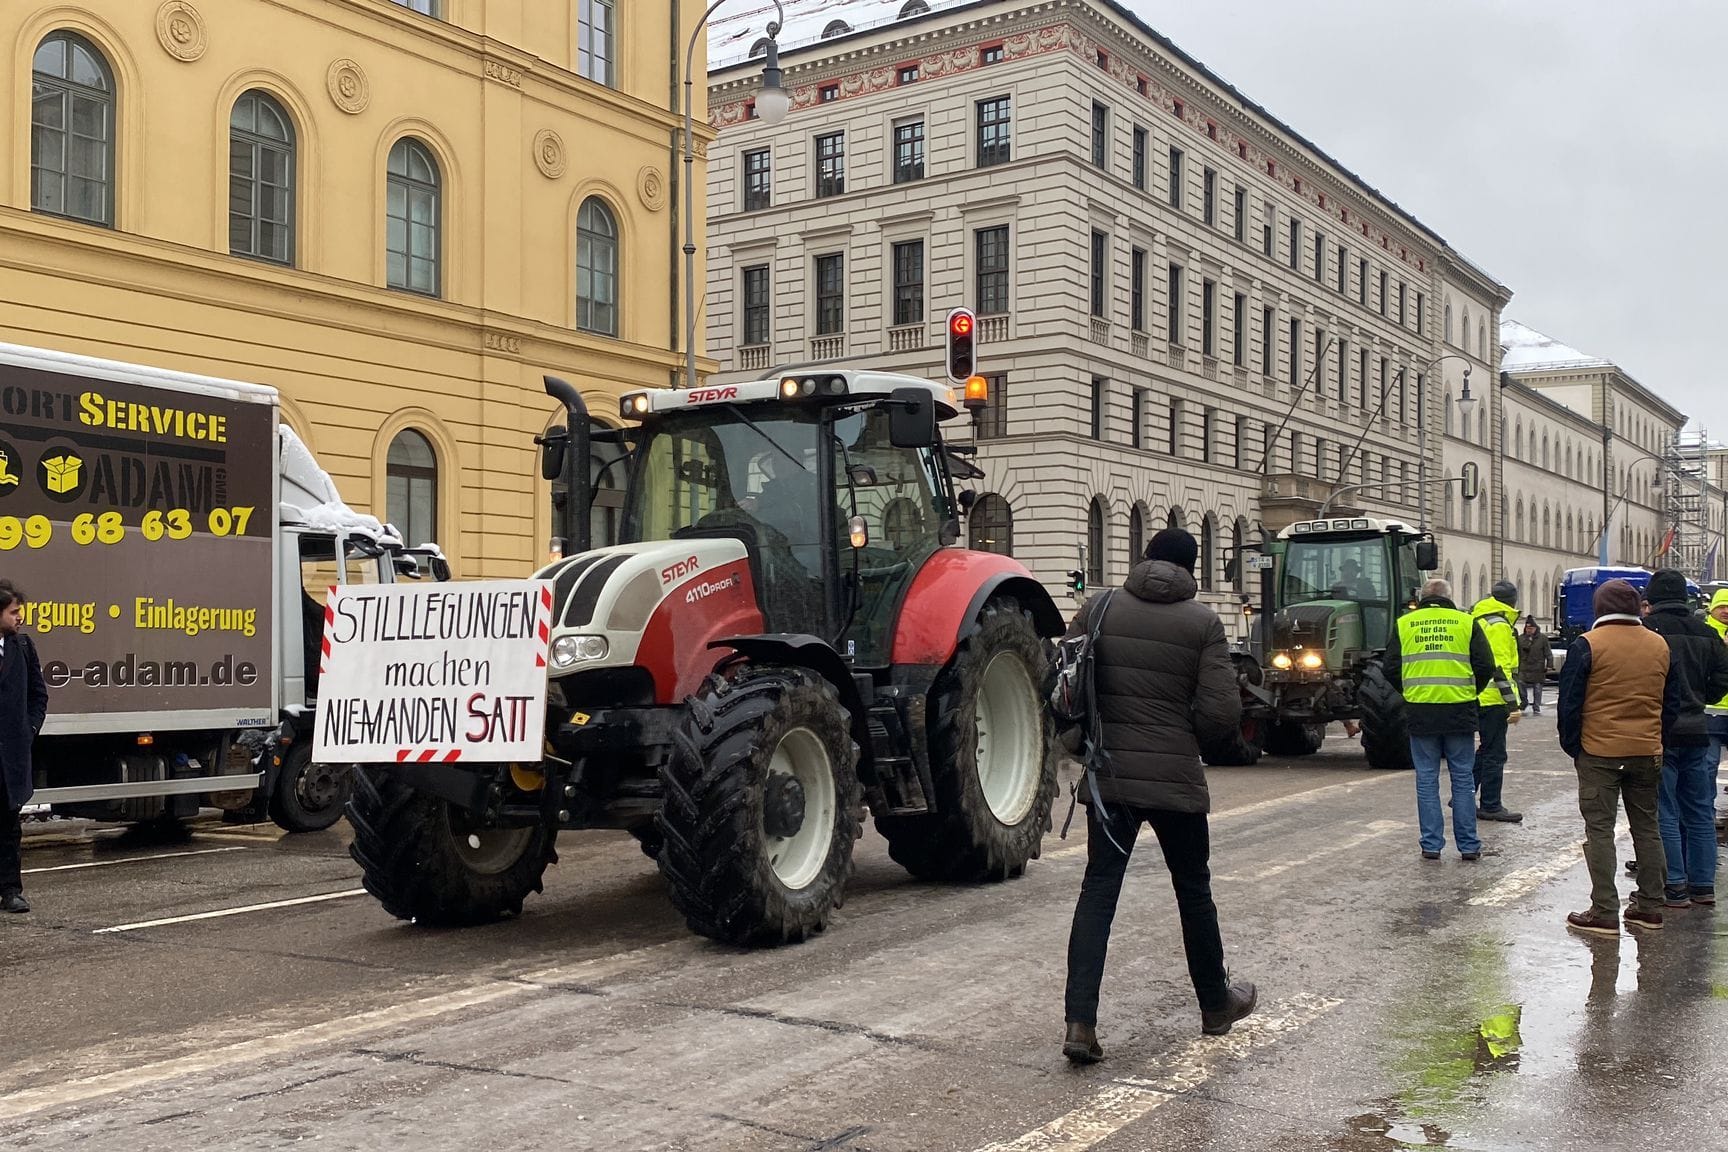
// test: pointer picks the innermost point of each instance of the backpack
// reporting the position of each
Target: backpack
(1071, 695)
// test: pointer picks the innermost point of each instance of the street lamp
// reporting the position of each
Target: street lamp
(1466, 402)
(772, 104)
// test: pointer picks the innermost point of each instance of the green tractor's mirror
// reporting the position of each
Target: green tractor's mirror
(1427, 555)
(552, 447)
(911, 419)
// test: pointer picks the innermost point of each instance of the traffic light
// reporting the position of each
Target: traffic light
(1076, 581)
(962, 332)
(1472, 482)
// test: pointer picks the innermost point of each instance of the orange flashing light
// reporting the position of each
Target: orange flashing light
(977, 392)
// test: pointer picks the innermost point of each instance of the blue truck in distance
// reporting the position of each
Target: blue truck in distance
(1574, 596)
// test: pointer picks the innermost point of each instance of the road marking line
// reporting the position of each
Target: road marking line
(1374, 831)
(1258, 806)
(265, 1047)
(1515, 885)
(1131, 1098)
(133, 860)
(220, 912)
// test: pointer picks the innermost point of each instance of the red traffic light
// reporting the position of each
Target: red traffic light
(960, 323)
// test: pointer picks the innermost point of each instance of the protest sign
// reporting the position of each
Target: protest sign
(434, 672)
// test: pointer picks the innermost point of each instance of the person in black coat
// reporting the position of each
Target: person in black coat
(23, 708)
(1164, 688)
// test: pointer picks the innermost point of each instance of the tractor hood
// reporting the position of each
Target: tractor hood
(1328, 627)
(654, 604)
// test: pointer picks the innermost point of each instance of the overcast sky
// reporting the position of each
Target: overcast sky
(1575, 149)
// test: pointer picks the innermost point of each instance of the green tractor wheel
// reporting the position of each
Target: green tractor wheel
(1385, 731)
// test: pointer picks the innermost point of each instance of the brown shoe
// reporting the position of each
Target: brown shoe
(1081, 1044)
(1239, 1003)
(1593, 923)
(1640, 918)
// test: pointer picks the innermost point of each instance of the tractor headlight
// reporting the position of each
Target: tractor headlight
(1312, 660)
(568, 651)
(1282, 661)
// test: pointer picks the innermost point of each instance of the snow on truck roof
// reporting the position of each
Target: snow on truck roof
(309, 497)
(791, 387)
(72, 364)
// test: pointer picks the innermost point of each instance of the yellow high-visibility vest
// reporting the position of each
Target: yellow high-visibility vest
(1434, 643)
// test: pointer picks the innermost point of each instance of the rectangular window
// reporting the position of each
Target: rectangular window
(1136, 419)
(1362, 379)
(1239, 331)
(1175, 428)
(992, 257)
(1343, 370)
(1209, 198)
(1100, 257)
(1401, 292)
(1241, 444)
(758, 180)
(1421, 313)
(830, 295)
(907, 74)
(595, 41)
(1381, 395)
(1295, 352)
(1319, 363)
(1268, 222)
(827, 93)
(909, 282)
(1140, 158)
(1173, 329)
(1343, 269)
(908, 151)
(1362, 282)
(1137, 290)
(990, 55)
(1098, 393)
(1240, 206)
(1319, 255)
(1383, 292)
(1208, 317)
(1176, 178)
(831, 164)
(758, 306)
(1100, 135)
(991, 421)
(1208, 422)
(994, 118)
(1268, 338)
(424, 7)
(1296, 244)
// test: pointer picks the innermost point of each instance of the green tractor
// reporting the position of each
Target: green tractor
(1330, 592)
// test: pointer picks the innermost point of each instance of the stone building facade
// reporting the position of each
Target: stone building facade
(401, 215)
(1189, 314)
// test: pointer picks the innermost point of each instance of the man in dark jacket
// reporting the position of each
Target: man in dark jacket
(1441, 660)
(1687, 800)
(1163, 687)
(23, 708)
(1535, 661)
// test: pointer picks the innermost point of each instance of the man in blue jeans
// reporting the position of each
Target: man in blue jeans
(1441, 660)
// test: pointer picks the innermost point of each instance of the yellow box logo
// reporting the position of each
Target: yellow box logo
(61, 472)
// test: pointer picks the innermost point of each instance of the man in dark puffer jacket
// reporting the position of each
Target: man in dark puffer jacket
(1164, 688)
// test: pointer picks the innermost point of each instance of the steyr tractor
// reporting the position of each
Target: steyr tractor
(788, 636)
(1330, 592)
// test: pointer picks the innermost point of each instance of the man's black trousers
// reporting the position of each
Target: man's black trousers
(1185, 840)
(11, 842)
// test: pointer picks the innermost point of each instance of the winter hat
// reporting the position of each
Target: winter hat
(1176, 546)
(1616, 598)
(1720, 598)
(1667, 586)
(1506, 592)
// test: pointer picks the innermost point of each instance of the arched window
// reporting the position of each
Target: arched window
(1464, 331)
(1571, 541)
(836, 28)
(1482, 586)
(1463, 590)
(261, 180)
(1175, 519)
(990, 525)
(1097, 540)
(1482, 339)
(411, 487)
(1136, 534)
(72, 130)
(1448, 333)
(1482, 424)
(1208, 552)
(596, 268)
(1567, 461)
(595, 40)
(1446, 507)
(1238, 538)
(913, 8)
(1519, 521)
(1532, 456)
(413, 219)
(1517, 445)
(1446, 415)
(1547, 528)
(1545, 451)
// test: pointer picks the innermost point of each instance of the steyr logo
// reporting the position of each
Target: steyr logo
(704, 395)
(679, 570)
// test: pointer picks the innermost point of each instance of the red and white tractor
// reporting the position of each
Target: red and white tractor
(788, 636)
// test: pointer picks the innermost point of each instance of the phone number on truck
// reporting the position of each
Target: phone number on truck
(110, 527)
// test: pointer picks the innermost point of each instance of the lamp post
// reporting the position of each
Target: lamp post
(772, 104)
(1466, 402)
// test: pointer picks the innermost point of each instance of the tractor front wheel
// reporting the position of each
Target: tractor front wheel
(760, 807)
(992, 758)
(1385, 727)
(428, 861)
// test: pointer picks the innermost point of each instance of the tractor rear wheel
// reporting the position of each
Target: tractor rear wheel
(992, 758)
(428, 861)
(1291, 738)
(760, 807)
(1385, 727)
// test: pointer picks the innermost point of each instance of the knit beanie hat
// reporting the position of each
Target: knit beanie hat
(1616, 598)
(1667, 586)
(1176, 546)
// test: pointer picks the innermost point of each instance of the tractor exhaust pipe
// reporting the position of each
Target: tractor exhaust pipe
(573, 460)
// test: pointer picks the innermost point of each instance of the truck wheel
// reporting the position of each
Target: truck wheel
(1245, 752)
(428, 861)
(1289, 738)
(309, 797)
(992, 758)
(760, 807)
(1385, 731)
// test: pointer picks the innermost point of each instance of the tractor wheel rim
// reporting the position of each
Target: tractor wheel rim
(1010, 738)
(797, 858)
(485, 851)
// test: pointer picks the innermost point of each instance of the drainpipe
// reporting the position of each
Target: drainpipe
(675, 191)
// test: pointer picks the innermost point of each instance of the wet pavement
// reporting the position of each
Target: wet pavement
(1403, 1004)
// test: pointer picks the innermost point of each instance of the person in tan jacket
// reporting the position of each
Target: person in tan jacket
(1618, 696)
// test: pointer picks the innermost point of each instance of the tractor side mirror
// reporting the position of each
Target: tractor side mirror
(440, 569)
(552, 447)
(967, 498)
(1427, 555)
(911, 419)
(1232, 568)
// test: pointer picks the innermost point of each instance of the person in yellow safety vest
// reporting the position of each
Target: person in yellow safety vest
(1497, 616)
(1440, 660)
(1716, 718)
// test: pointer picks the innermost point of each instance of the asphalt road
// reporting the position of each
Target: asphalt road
(1402, 1003)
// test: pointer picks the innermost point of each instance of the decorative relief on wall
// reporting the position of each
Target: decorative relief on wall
(503, 342)
(349, 88)
(503, 73)
(180, 30)
(651, 188)
(549, 153)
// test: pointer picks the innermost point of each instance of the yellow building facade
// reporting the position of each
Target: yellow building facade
(399, 213)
